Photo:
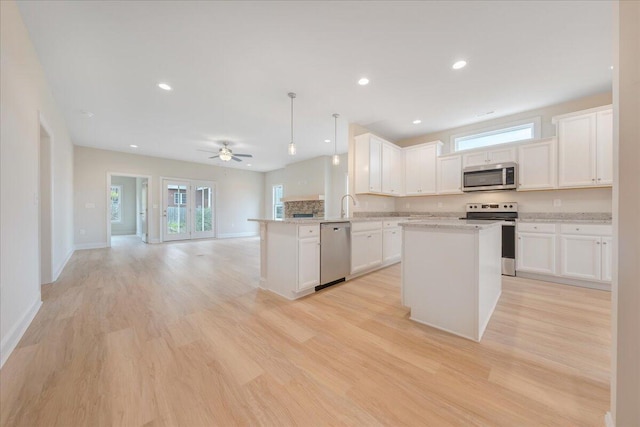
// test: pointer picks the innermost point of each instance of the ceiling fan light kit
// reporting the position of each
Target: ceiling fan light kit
(225, 154)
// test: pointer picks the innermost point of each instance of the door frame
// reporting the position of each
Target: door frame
(108, 200)
(50, 276)
(214, 211)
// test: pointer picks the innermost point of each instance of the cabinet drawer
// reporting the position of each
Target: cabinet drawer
(365, 226)
(390, 224)
(586, 229)
(308, 231)
(536, 227)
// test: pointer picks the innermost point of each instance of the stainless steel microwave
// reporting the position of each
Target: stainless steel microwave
(501, 176)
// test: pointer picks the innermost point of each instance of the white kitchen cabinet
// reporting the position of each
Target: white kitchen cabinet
(308, 262)
(538, 165)
(420, 168)
(366, 245)
(368, 164)
(391, 169)
(391, 243)
(536, 248)
(489, 157)
(585, 149)
(607, 259)
(449, 178)
(585, 251)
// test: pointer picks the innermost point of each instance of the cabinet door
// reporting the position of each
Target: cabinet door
(501, 155)
(308, 263)
(420, 170)
(607, 259)
(391, 166)
(536, 253)
(375, 165)
(449, 175)
(474, 159)
(374, 243)
(580, 256)
(604, 147)
(537, 166)
(577, 151)
(391, 244)
(359, 251)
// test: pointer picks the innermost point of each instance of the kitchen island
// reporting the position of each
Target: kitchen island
(451, 273)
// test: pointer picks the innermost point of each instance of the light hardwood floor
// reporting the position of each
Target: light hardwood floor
(178, 335)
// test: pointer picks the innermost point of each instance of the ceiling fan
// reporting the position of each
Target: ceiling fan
(225, 154)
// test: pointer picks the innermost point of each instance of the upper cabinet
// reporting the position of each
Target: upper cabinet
(537, 166)
(585, 148)
(420, 171)
(489, 157)
(391, 169)
(378, 166)
(449, 179)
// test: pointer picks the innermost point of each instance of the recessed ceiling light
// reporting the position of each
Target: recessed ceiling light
(327, 140)
(248, 164)
(459, 64)
(611, 68)
(133, 146)
(417, 121)
(363, 81)
(164, 86)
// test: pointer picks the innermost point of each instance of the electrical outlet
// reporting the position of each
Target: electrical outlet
(557, 202)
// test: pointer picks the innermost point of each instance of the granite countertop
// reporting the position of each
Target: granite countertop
(459, 224)
(566, 220)
(321, 220)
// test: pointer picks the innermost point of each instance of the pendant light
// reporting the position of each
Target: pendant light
(336, 158)
(292, 145)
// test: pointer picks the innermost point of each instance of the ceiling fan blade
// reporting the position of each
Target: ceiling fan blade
(207, 151)
(243, 155)
(214, 157)
(236, 159)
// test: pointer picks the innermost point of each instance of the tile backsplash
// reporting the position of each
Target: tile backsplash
(315, 207)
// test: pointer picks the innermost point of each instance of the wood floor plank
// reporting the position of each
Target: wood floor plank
(179, 334)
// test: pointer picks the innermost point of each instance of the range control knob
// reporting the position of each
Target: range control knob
(510, 206)
(505, 206)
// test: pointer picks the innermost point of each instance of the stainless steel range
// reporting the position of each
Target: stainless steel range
(505, 211)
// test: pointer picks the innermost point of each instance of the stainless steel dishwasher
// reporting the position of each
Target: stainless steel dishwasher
(335, 253)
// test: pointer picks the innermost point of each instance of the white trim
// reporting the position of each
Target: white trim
(94, 245)
(608, 420)
(154, 241)
(42, 122)
(602, 286)
(554, 119)
(243, 234)
(13, 337)
(63, 264)
(537, 128)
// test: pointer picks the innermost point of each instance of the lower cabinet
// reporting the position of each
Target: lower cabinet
(536, 253)
(607, 259)
(366, 245)
(391, 242)
(308, 257)
(581, 257)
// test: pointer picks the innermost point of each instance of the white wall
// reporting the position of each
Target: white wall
(239, 193)
(129, 206)
(23, 95)
(625, 378)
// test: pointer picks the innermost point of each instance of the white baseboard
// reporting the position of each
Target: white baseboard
(154, 241)
(231, 235)
(95, 245)
(12, 338)
(608, 420)
(603, 286)
(56, 274)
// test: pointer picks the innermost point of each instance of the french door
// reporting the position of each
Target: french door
(188, 209)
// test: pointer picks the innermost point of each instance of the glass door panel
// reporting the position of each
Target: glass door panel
(204, 220)
(176, 210)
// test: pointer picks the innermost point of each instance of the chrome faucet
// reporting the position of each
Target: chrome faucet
(342, 213)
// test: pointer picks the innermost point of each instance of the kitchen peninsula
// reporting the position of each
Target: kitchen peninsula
(451, 273)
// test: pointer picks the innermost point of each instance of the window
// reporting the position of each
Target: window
(512, 132)
(179, 198)
(116, 203)
(278, 205)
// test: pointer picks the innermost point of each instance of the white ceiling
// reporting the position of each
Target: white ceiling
(231, 65)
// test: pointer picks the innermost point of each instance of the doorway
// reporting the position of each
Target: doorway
(128, 207)
(45, 204)
(188, 209)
